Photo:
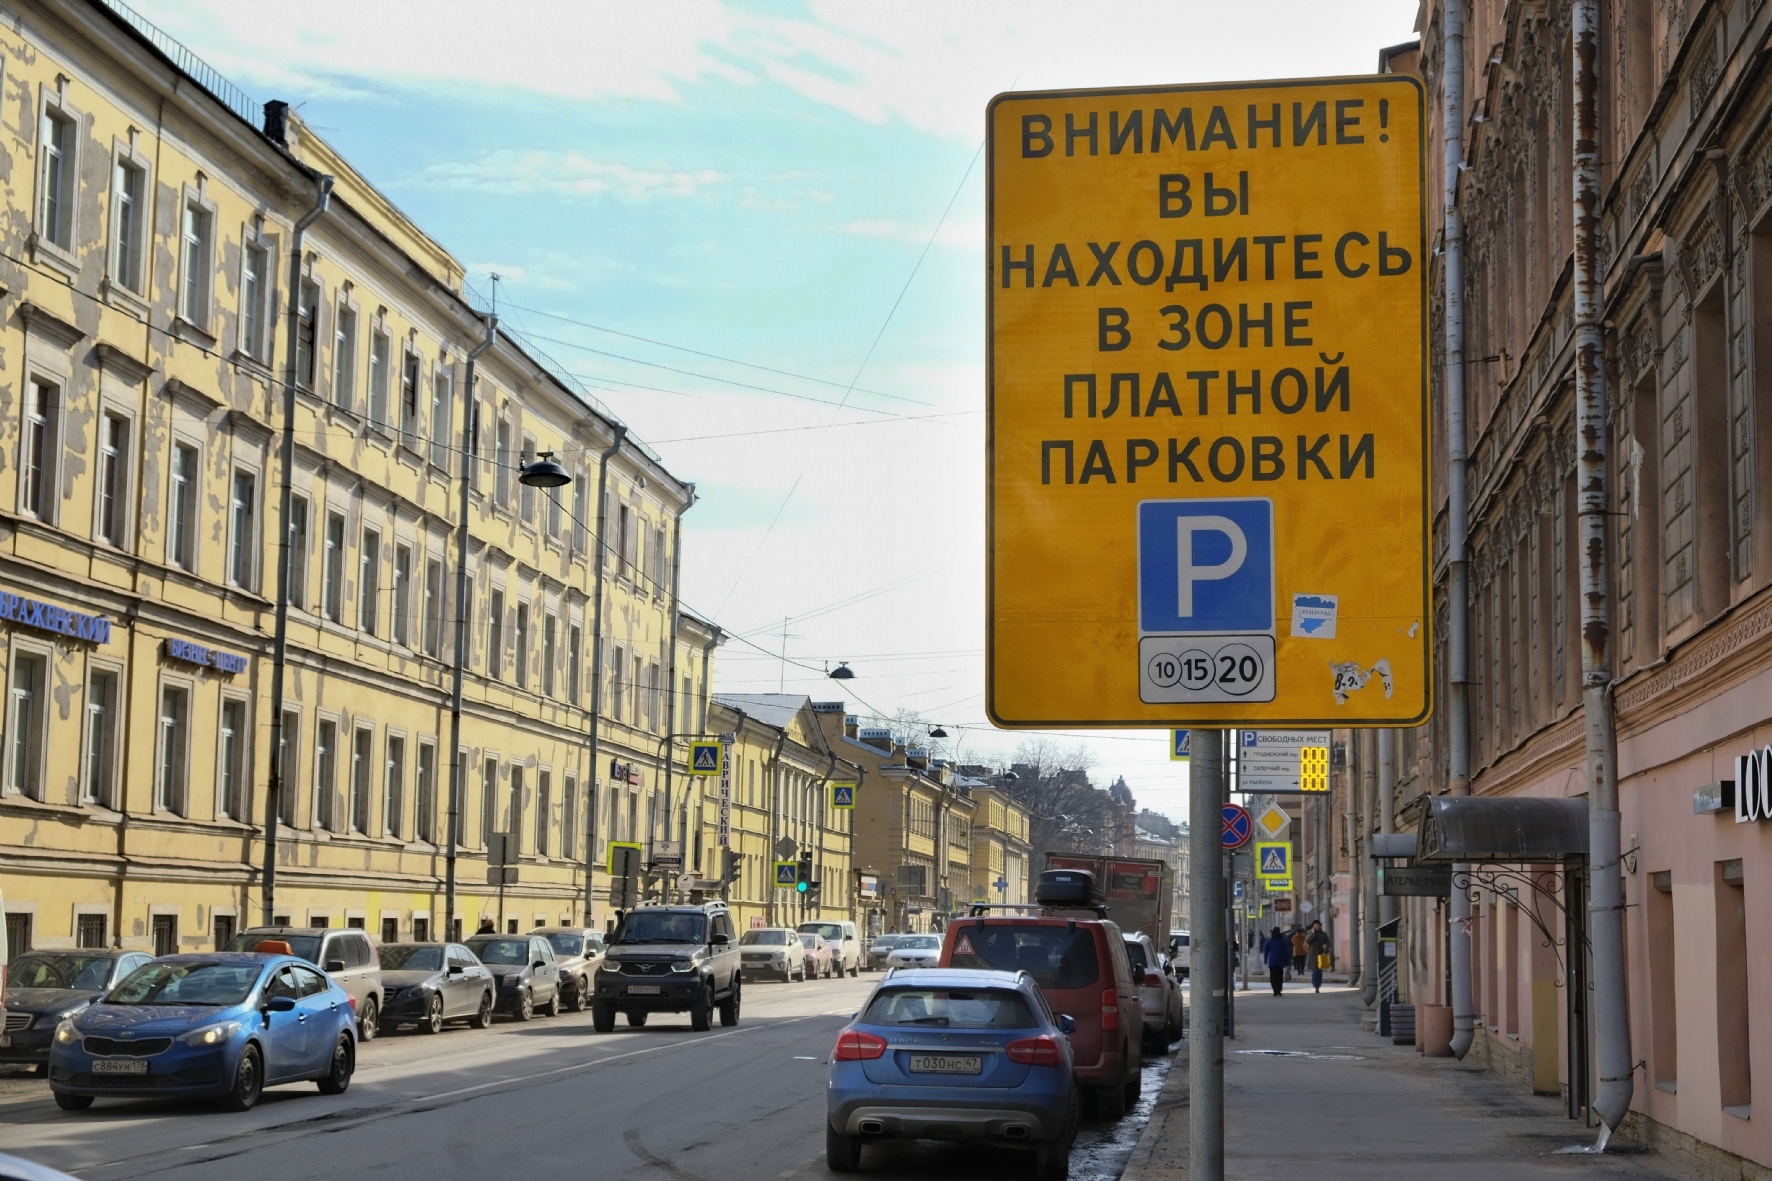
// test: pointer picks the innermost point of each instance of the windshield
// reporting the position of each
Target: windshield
(186, 984)
(828, 930)
(663, 926)
(1058, 957)
(412, 959)
(886, 940)
(982, 1008)
(766, 938)
(305, 946)
(88, 972)
(501, 951)
(565, 944)
(1178, 941)
(917, 943)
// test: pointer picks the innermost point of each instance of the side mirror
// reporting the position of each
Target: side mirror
(538, 965)
(721, 940)
(335, 965)
(1067, 1024)
(456, 969)
(280, 1004)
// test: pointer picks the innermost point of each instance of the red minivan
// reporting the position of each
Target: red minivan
(1082, 967)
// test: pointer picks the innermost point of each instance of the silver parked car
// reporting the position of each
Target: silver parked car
(579, 951)
(772, 951)
(915, 951)
(880, 947)
(1159, 993)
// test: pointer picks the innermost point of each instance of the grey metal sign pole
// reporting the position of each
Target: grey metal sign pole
(1206, 794)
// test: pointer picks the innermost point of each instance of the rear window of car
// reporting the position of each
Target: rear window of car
(917, 943)
(1135, 953)
(828, 930)
(1057, 957)
(502, 951)
(950, 1008)
(411, 959)
(306, 947)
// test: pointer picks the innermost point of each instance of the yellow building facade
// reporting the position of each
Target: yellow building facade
(1000, 849)
(145, 305)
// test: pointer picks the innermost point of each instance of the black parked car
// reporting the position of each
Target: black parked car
(45, 986)
(527, 971)
(430, 983)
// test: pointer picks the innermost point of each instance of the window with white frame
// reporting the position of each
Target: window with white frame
(514, 813)
(495, 636)
(581, 507)
(40, 449)
(550, 627)
(617, 686)
(326, 774)
(652, 697)
(432, 622)
(488, 798)
(196, 263)
(362, 777)
(344, 358)
(332, 575)
(369, 582)
(380, 350)
(129, 213)
(27, 715)
(556, 514)
(526, 492)
(574, 658)
(307, 328)
(230, 787)
(182, 537)
(544, 810)
(173, 770)
(289, 769)
(403, 595)
(658, 561)
(394, 786)
(57, 175)
(243, 530)
(569, 818)
(623, 541)
(522, 660)
(424, 798)
(98, 774)
(255, 294)
(113, 498)
(503, 458)
(410, 414)
(440, 400)
(298, 552)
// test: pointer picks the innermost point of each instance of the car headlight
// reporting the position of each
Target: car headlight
(211, 1035)
(65, 1033)
(683, 966)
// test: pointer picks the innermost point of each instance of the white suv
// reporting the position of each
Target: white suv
(845, 944)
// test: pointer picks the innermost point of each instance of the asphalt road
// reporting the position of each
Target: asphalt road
(552, 1098)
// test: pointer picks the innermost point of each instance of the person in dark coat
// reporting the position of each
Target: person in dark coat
(1318, 940)
(1276, 951)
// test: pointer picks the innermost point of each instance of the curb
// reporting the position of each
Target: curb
(1171, 1100)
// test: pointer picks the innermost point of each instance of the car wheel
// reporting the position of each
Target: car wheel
(553, 1006)
(855, 971)
(637, 1018)
(702, 1011)
(842, 1154)
(580, 990)
(370, 1023)
(729, 1006)
(1052, 1162)
(602, 1017)
(344, 1064)
(249, 1081)
(433, 1022)
(72, 1102)
(1110, 1101)
(482, 1018)
(525, 1005)
(1134, 1086)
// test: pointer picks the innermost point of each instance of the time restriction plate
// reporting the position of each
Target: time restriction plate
(1208, 485)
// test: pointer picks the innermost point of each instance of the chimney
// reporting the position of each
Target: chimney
(277, 122)
(876, 736)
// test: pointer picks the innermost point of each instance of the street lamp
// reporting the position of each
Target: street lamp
(938, 732)
(543, 473)
(842, 672)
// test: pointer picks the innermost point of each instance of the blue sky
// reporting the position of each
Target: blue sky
(761, 182)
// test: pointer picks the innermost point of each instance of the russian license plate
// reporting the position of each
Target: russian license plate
(119, 1066)
(643, 990)
(946, 1064)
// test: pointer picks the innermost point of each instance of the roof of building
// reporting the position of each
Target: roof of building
(772, 709)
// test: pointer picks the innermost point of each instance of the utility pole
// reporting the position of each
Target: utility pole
(1606, 886)
(1206, 792)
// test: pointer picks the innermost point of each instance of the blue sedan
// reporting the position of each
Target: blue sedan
(221, 1026)
(954, 1054)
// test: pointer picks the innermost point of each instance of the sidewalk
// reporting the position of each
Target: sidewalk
(1355, 1106)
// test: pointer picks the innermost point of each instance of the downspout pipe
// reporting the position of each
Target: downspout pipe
(670, 720)
(598, 564)
(458, 772)
(775, 813)
(1356, 851)
(1387, 806)
(1368, 867)
(1606, 883)
(286, 500)
(1458, 737)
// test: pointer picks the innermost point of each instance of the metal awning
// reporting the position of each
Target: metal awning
(1502, 828)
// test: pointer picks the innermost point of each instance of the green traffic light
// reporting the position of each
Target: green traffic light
(800, 886)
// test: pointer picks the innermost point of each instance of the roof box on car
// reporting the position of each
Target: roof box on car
(1068, 887)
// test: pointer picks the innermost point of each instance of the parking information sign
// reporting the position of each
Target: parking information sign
(1207, 495)
(1282, 762)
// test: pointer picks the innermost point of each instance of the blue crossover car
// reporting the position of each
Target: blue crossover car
(954, 1054)
(222, 1026)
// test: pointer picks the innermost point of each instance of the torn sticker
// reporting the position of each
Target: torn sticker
(1351, 678)
(1313, 616)
(1413, 628)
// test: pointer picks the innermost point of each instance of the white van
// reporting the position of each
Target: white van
(845, 943)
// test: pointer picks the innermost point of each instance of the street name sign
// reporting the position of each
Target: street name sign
(1282, 762)
(1207, 438)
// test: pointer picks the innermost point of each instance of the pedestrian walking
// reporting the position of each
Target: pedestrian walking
(1300, 948)
(486, 928)
(1276, 950)
(1318, 943)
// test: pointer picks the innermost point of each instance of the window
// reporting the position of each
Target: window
(165, 934)
(526, 492)
(379, 345)
(658, 562)
(362, 786)
(333, 592)
(556, 514)
(98, 774)
(652, 697)
(42, 450)
(288, 742)
(581, 527)
(232, 786)
(55, 179)
(409, 416)
(242, 525)
(255, 289)
(127, 215)
(89, 931)
(369, 582)
(636, 681)
(569, 819)
(549, 627)
(307, 319)
(425, 794)
(574, 654)
(298, 551)
(543, 811)
(403, 595)
(390, 930)
(522, 660)
(113, 478)
(433, 608)
(196, 254)
(638, 557)
(421, 930)
(623, 527)
(175, 725)
(495, 637)
(394, 797)
(440, 400)
(325, 773)
(617, 691)
(183, 536)
(514, 814)
(488, 799)
(18, 934)
(25, 720)
(344, 358)
(502, 459)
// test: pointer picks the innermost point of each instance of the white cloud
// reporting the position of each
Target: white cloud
(567, 174)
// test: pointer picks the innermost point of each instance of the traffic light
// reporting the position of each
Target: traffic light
(803, 879)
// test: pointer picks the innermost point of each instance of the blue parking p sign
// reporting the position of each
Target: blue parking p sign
(1206, 600)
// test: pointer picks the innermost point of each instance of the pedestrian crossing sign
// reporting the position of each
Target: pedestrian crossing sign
(787, 873)
(1273, 859)
(842, 795)
(704, 757)
(1179, 746)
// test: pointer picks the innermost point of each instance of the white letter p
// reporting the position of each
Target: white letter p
(1187, 573)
